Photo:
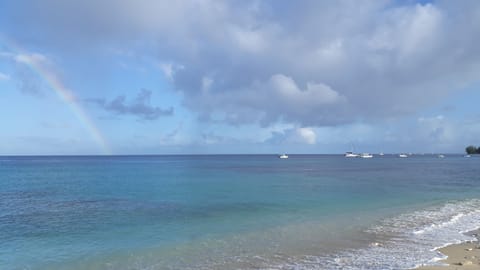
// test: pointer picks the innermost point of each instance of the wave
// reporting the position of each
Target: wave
(409, 240)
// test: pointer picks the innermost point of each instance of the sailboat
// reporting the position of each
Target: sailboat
(366, 155)
(351, 154)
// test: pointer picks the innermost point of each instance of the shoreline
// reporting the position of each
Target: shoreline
(464, 255)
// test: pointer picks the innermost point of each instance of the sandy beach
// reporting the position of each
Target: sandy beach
(460, 256)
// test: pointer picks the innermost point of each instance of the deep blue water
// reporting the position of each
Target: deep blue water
(233, 211)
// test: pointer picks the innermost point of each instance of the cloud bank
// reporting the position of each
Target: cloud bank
(308, 63)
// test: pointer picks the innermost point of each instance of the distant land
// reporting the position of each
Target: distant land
(472, 150)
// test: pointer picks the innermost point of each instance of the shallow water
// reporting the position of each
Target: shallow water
(233, 212)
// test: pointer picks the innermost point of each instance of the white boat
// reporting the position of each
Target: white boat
(403, 155)
(283, 156)
(381, 154)
(467, 156)
(366, 155)
(441, 156)
(350, 154)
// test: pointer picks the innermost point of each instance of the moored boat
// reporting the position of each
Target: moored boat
(350, 155)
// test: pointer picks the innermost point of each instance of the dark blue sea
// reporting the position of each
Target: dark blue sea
(234, 211)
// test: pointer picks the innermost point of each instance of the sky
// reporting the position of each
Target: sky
(238, 77)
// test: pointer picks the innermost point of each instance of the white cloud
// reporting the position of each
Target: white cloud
(293, 136)
(429, 134)
(331, 53)
(206, 83)
(169, 69)
(306, 63)
(421, 29)
(285, 88)
(437, 129)
(408, 31)
(26, 58)
(307, 135)
(249, 40)
(434, 119)
(31, 58)
(277, 99)
(23, 75)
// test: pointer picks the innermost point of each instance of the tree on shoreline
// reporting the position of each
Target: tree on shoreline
(472, 150)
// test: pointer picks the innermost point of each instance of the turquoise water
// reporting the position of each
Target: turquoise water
(233, 212)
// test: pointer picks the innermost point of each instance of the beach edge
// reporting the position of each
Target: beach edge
(465, 255)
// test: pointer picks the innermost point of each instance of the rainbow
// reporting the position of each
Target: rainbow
(37, 65)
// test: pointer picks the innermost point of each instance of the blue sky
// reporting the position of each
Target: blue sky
(156, 77)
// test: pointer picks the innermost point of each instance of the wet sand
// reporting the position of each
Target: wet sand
(460, 256)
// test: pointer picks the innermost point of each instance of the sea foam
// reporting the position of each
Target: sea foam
(411, 240)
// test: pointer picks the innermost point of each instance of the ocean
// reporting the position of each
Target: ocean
(234, 211)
